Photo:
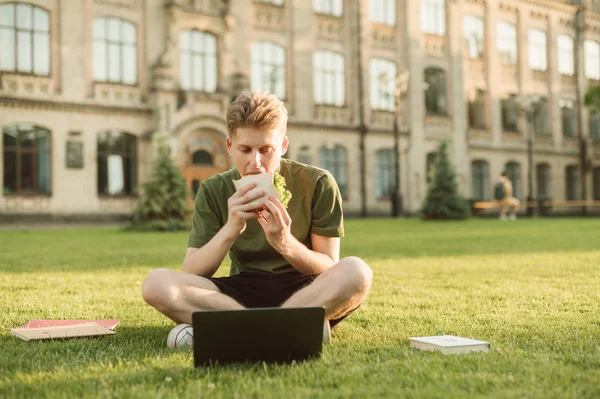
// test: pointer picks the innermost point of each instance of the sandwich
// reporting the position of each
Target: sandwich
(272, 183)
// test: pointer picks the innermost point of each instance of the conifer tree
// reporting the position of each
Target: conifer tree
(443, 200)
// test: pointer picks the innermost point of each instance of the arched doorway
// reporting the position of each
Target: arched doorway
(202, 154)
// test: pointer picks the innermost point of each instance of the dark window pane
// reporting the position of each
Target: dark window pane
(43, 172)
(102, 175)
(130, 144)
(9, 136)
(597, 183)
(27, 137)
(43, 140)
(202, 157)
(10, 172)
(27, 171)
(195, 186)
(102, 142)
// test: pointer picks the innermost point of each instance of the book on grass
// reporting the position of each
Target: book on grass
(67, 331)
(37, 323)
(449, 344)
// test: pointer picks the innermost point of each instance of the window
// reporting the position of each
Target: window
(480, 178)
(572, 182)
(568, 117)
(540, 117)
(114, 51)
(538, 58)
(24, 39)
(117, 163)
(430, 166)
(383, 84)
(202, 158)
(433, 17)
(476, 110)
(566, 57)
(384, 173)
(591, 51)
(26, 158)
(435, 91)
(514, 175)
(473, 34)
(382, 12)
(333, 158)
(510, 113)
(542, 172)
(596, 178)
(274, 2)
(594, 122)
(197, 61)
(506, 41)
(329, 78)
(268, 68)
(330, 7)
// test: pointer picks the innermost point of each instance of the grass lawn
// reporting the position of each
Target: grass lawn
(531, 288)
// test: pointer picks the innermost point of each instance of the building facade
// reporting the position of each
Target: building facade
(86, 86)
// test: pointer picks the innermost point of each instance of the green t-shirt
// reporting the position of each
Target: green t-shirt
(315, 207)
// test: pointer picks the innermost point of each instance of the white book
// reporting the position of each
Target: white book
(449, 344)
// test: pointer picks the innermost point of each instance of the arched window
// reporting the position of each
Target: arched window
(333, 158)
(202, 158)
(26, 160)
(514, 175)
(473, 32)
(572, 182)
(329, 78)
(543, 181)
(24, 39)
(480, 179)
(117, 163)
(114, 51)
(198, 61)
(384, 173)
(435, 91)
(268, 68)
(383, 84)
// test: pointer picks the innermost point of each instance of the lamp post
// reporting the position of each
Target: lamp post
(529, 104)
(400, 91)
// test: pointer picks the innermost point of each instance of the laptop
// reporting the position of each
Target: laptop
(260, 334)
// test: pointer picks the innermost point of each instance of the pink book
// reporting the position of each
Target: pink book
(108, 323)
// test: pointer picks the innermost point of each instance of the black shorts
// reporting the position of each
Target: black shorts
(260, 289)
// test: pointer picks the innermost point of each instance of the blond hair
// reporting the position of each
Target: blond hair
(260, 110)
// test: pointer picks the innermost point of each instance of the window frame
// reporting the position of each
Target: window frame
(572, 184)
(204, 55)
(565, 56)
(122, 45)
(537, 46)
(377, 100)
(33, 32)
(385, 14)
(384, 166)
(34, 150)
(275, 51)
(543, 176)
(433, 17)
(124, 156)
(333, 8)
(336, 162)
(507, 43)
(484, 174)
(442, 88)
(474, 29)
(591, 66)
(328, 75)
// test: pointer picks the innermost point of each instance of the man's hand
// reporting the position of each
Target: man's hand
(276, 222)
(242, 206)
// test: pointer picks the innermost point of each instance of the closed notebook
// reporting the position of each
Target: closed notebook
(447, 344)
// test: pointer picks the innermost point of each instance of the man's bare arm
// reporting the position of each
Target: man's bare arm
(206, 260)
(325, 253)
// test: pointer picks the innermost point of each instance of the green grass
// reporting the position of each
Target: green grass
(531, 288)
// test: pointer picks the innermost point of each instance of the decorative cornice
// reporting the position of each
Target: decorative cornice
(69, 106)
(130, 4)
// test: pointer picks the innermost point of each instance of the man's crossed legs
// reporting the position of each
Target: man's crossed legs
(340, 289)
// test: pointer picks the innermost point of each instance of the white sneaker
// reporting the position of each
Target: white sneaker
(326, 332)
(181, 337)
(513, 217)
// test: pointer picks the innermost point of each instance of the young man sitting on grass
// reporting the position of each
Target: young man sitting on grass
(279, 257)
